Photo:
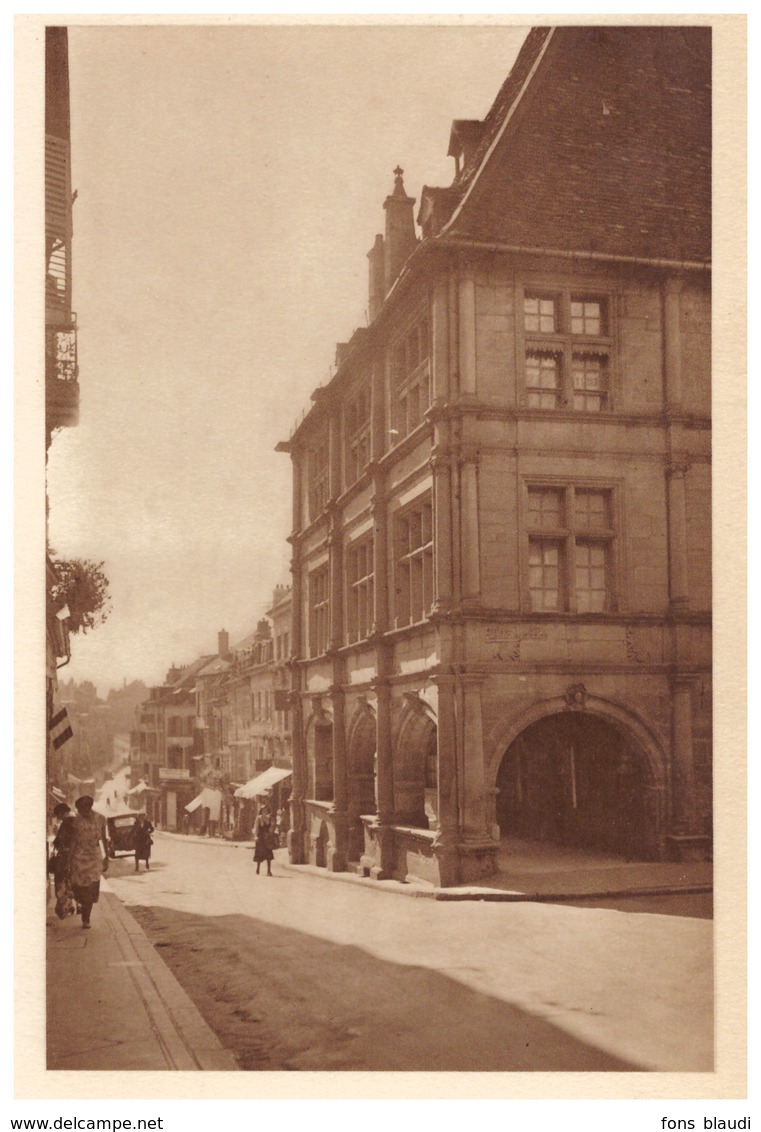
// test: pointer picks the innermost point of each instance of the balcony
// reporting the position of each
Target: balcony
(61, 376)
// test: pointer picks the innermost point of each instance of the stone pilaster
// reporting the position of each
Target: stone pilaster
(686, 842)
(380, 562)
(440, 386)
(446, 755)
(466, 294)
(378, 424)
(335, 455)
(677, 535)
(336, 558)
(469, 527)
(441, 467)
(672, 343)
(385, 785)
(445, 843)
(297, 851)
(473, 802)
(337, 851)
(682, 755)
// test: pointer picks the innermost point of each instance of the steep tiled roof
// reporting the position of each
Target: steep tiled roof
(608, 149)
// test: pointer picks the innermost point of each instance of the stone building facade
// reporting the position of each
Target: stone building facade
(166, 746)
(501, 605)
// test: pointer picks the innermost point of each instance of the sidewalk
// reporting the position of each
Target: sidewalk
(112, 1004)
(535, 871)
(527, 870)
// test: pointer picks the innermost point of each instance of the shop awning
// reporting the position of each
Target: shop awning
(263, 782)
(209, 798)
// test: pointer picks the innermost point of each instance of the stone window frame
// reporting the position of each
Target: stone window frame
(413, 564)
(564, 345)
(567, 535)
(409, 369)
(319, 610)
(357, 421)
(360, 589)
(318, 476)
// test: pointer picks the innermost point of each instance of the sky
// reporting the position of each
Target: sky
(230, 182)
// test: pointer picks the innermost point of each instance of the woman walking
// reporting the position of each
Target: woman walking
(143, 842)
(263, 841)
(59, 862)
(88, 857)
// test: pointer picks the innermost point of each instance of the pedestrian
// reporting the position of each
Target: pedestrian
(263, 835)
(143, 841)
(88, 857)
(281, 827)
(59, 861)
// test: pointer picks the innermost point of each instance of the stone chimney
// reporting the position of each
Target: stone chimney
(342, 350)
(377, 278)
(400, 230)
(223, 643)
(263, 630)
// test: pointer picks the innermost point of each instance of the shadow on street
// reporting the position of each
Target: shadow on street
(283, 999)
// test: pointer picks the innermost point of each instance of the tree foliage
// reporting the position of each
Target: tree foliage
(83, 586)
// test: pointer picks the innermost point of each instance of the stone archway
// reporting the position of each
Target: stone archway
(361, 768)
(319, 757)
(579, 779)
(415, 785)
(360, 755)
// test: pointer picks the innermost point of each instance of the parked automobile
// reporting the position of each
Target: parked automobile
(120, 833)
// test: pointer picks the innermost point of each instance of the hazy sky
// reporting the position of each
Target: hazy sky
(230, 182)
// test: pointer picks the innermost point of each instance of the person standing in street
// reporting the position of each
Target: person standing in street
(263, 834)
(59, 861)
(143, 842)
(88, 857)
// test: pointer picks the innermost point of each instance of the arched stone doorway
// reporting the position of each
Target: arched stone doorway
(576, 779)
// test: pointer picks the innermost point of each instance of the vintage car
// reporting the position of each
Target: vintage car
(120, 833)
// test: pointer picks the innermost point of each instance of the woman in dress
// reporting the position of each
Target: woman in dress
(263, 841)
(143, 842)
(87, 856)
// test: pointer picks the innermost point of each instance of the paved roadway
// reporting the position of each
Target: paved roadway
(301, 972)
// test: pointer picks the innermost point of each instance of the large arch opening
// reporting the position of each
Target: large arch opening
(575, 779)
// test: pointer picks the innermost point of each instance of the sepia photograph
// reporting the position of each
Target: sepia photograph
(379, 680)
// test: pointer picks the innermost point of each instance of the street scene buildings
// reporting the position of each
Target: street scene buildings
(488, 677)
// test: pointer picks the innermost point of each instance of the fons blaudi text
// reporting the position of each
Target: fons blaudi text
(708, 1122)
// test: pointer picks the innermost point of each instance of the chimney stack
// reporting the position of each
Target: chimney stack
(342, 349)
(377, 273)
(223, 643)
(400, 239)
